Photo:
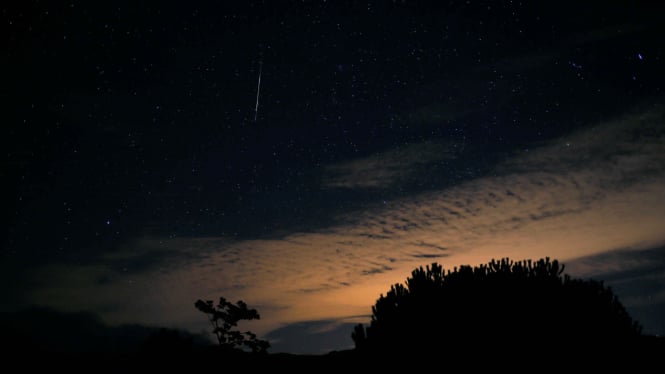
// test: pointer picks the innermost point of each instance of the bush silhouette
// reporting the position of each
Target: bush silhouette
(524, 303)
(225, 317)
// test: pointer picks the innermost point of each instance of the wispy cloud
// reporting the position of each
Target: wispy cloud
(637, 276)
(384, 169)
(319, 336)
(591, 192)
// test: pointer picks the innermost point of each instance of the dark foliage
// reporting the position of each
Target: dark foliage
(224, 317)
(525, 303)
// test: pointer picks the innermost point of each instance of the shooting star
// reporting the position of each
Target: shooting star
(258, 91)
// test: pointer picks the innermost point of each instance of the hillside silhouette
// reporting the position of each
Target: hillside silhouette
(42, 329)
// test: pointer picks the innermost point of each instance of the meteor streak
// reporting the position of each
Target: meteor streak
(258, 91)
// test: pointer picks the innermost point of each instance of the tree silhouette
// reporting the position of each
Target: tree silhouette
(527, 302)
(224, 317)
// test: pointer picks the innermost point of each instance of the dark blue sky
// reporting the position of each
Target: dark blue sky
(129, 128)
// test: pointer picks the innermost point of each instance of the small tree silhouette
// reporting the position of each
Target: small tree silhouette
(529, 304)
(224, 317)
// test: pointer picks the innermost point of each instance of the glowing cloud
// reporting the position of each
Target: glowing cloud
(594, 191)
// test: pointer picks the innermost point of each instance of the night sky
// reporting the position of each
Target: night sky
(139, 175)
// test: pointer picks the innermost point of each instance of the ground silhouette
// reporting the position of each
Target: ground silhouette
(517, 316)
(499, 306)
